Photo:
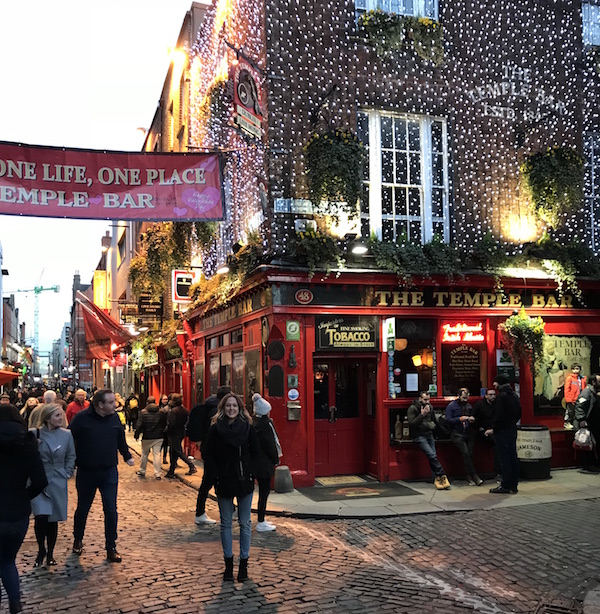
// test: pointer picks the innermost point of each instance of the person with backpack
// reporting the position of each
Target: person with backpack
(504, 428)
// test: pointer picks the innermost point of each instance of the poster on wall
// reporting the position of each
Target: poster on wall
(553, 370)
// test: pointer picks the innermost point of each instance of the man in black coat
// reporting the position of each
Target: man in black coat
(484, 411)
(151, 425)
(197, 430)
(177, 418)
(98, 436)
(504, 428)
(587, 414)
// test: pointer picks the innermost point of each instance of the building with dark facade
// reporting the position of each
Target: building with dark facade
(448, 107)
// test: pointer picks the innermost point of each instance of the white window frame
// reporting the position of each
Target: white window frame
(414, 8)
(590, 19)
(375, 181)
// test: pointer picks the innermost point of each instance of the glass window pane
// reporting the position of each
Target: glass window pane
(387, 230)
(401, 168)
(386, 201)
(364, 201)
(400, 194)
(365, 227)
(346, 391)
(401, 231)
(321, 391)
(414, 136)
(414, 202)
(414, 231)
(438, 229)
(437, 206)
(362, 127)
(437, 143)
(415, 168)
(387, 166)
(437, 169)
(386, 132)
(400, 133)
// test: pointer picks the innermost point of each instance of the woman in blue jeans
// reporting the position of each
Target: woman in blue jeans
(22, 478)
(231, 450)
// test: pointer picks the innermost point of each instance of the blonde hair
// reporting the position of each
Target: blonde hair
(244, 415)
(49, 409)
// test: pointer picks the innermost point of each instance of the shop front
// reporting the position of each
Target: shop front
(340, 359)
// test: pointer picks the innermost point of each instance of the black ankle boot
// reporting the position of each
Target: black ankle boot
(15, 607)
(228, 575)
(39, 559)
(243, 570)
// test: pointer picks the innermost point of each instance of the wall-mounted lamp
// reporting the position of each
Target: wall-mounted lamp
(355, 245)
(223, 269)
(425, 359)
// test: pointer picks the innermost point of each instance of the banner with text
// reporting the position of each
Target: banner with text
(52, 182)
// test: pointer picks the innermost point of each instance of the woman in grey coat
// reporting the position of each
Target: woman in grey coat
(57, 450)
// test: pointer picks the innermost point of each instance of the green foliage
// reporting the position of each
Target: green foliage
(164, 247)
(334, 168)
(407, 259)
(206, 233)
(523, 338)
(321, 251)
(143, 352)
(389, 33)
(553, 180)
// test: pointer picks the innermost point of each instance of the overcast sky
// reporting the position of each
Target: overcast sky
(74, 73)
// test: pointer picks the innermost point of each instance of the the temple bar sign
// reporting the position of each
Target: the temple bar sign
(71, 183)
(358, 333)
(438, 298)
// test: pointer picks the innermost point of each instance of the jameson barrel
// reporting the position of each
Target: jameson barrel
(534, 451)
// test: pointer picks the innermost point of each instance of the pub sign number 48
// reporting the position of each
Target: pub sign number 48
(181, 282)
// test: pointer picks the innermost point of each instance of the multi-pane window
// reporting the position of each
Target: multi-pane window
(592, 185)
(406, 176)
(590, 17)
(416, 8)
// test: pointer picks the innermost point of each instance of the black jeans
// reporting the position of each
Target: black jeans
(88, 481)
(506, 444)
(12, 535)
(208, 481)
(464, 443)
(264, 488)
(177, 452)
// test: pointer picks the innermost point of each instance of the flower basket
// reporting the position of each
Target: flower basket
(523, 338)
(553, 180)
(334, 168)
(389, 33)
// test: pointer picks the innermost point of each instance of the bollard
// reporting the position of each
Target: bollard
(283, 479)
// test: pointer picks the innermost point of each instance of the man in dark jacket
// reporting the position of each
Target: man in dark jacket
(504, 427)
(197, 431)
(177, 418)
(587, 414)
(151, 425)
(421, 421)
(98, 436)
(484, 411)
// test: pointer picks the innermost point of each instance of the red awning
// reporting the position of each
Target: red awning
(7, 376)
(101, 331)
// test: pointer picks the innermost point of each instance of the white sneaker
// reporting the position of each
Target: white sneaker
(204, 519)
(263, 527)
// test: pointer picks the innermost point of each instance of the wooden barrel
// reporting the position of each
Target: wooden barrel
(534, 451)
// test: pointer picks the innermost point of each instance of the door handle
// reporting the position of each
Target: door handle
(332, 412)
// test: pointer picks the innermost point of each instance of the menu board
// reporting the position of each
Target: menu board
(462, 368)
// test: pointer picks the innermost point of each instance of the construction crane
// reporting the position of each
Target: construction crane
(36, 315)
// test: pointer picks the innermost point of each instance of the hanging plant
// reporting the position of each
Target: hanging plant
(319, 250)
(334, 168)
(404, 258)
(523, 338)
(553, 180)
(389, 33)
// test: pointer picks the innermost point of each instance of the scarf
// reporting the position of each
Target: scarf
(234, 434)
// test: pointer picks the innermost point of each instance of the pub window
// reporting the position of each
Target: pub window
(553, 370)
(236, 336)
(224, 340)
(415, 8)
(464, 357)
(414, 360)
(225, 372)
(405, 177)
(237, 373)
(213, 343)
(590, 17)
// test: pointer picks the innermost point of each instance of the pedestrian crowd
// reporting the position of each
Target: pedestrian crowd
(45, 440)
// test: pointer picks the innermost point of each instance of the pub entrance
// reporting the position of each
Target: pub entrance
(341, 396)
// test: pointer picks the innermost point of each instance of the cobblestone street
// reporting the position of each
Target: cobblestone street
(505, 560)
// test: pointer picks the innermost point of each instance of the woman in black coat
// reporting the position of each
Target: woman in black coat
(231, 450)
(267, 459)
(22, 478)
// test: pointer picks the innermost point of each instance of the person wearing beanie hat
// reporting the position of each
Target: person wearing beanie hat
(504, 427)
(267, 459)
(57, 451)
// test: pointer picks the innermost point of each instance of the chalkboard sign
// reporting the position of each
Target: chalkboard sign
(461, 368)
